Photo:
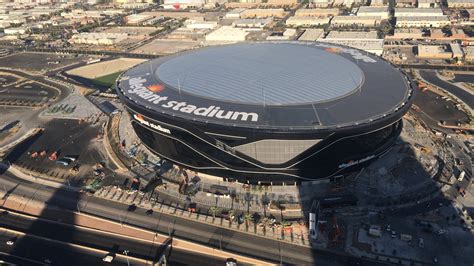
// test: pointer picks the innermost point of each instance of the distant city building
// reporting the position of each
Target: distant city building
(421, 21)
(321, 3)
(200, 23)
(457, 51)
(252, 22)
(342, 21)
(235, 13)
(376, 3)
(100, 38)
(418, 12)
(367, 41)
(227, 34)
(469, 53)
(317, 12)
(369, 11)
(405, 3)
(428, 3)
(414, 34)
(311, 35)
(434, 52)
(263, 13)
(460, 3)
(137, 18)
(282, 2)
(16, 31)
(456, 34)
(307, 21)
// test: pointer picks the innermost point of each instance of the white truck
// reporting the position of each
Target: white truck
(461, 175)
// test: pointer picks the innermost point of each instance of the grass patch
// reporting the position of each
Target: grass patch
(107, 80)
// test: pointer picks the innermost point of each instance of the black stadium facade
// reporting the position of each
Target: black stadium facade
(267, 111)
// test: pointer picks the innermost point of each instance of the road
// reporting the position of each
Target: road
(431, 77)
(40, 230)
(230, 240)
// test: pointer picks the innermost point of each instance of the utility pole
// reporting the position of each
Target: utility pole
(125, 252)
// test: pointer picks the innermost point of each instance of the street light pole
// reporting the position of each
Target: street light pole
(125, 252)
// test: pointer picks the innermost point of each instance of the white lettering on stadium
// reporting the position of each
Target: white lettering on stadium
(351, 163)
(142, 121)
(137, 87)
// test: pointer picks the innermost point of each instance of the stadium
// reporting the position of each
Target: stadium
(267, 111)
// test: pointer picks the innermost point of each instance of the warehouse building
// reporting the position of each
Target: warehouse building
(434, 52)
(342, 21)
(428, 3)
(307, 21)
(94, 38)
(252, 22)
(418, 12)
(469, 53)
(263, 13)
(317, 12)
(420, 22)
(311, 35)
(369, 11)
(415, 34)
(460, 3)
(227, 34)
(366, 41)
(234, 13)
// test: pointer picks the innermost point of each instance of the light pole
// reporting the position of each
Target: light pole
(125, 252)
(78, 207)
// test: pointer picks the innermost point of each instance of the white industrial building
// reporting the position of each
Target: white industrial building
(322, 3)
(418, 12)
(234, 13)
(252, 22)
(377, 3)
(369, 11)
(307, 21)
(460, 3)
(415, 34)
(15, 31)
(227, 34)
(434, 52)
(95, 38)
(419, 22)
(457, 51)
(200, 23)
(428, 3)
(339, 21)
(469, 53)
(366, 41)
(317, 12)
(311, 35)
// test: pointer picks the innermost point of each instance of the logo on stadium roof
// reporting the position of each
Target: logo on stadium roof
(333, 50)
(156, 87)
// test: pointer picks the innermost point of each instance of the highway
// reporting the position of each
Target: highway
(466, 97)
(43, 230)
(229, 240)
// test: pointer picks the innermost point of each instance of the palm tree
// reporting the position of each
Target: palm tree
(213, 211)
(247, 219)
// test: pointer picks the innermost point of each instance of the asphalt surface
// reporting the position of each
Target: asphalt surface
(28, 94)
(197, 232)
(466, 97)
(92, 239)
(469, 78)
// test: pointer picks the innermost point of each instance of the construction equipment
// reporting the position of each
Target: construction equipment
(53, 156)
(34, 154)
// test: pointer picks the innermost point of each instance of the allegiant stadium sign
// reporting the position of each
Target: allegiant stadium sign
(150, 95)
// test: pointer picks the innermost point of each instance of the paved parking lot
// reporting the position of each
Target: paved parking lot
(27, 94)
(37, 61)
(6, 80)
(440, 109)
(66, 137)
